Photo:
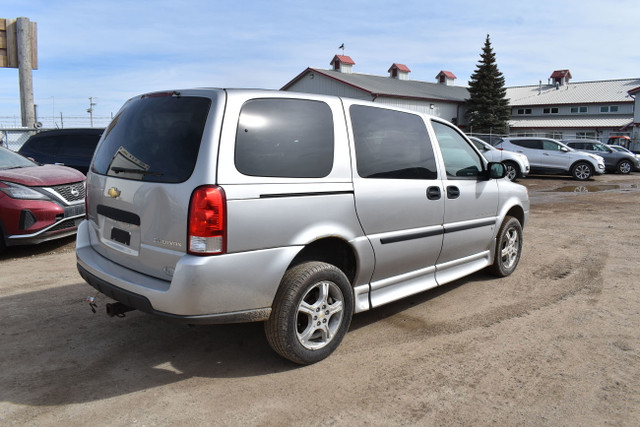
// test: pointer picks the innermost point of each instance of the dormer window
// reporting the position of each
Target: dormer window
(560, 77)
(342, 63)
(399, 71)
(445, 78)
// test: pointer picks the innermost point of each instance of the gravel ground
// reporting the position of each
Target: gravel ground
(556, 343)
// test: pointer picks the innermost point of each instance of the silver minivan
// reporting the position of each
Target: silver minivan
(297, 210)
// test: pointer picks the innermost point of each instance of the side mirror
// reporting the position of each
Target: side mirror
(564, 149)
(496, 170)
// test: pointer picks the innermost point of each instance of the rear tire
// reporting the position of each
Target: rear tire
(311, 312)
(508, 247)
(582, 171)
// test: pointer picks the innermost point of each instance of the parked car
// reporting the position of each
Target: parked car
(517, 164)
(548, 156)
(37, 203)
(289, 208)
(614, 161)
(626, 150)
(68, 147)
(621, 140)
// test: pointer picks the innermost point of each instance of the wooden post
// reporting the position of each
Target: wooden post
(24, 41)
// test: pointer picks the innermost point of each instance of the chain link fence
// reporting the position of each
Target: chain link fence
(12, 135)
(58, 122)
(14, 138)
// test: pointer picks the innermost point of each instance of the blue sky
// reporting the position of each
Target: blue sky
(113, 50)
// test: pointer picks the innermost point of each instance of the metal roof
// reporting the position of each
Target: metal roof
(570, 122)
(388, 86)
(602, 91)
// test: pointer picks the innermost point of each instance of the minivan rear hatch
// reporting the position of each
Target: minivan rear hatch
(140, 180)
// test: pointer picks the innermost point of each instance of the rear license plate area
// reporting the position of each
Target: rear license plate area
(121, 236)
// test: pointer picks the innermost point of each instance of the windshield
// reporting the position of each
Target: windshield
(621, 149)
(601, 147)
(11, 160)
(154, 138)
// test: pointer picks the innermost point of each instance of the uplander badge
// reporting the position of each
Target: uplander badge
(113, 192)
(167, 242)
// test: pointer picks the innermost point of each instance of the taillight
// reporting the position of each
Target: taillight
(86, 201)
(207, 221)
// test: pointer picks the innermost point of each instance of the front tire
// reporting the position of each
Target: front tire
(311, 312)
(624, 166)
(582, 171)
(508, 247)
(512, 171)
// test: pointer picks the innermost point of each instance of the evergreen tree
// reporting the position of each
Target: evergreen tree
(487, 107)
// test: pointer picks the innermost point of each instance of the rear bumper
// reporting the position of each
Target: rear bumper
(140, 302)
(229, 288)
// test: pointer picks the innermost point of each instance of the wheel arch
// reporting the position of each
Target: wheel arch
(585, 161)
(332, 250)
(518, 213)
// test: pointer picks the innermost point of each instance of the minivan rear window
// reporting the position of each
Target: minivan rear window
(154, 138)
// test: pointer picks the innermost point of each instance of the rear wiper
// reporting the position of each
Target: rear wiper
(118, 169)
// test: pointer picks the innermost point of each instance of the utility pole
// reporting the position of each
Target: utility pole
(18, 49)
(90, 110)
(23, 38)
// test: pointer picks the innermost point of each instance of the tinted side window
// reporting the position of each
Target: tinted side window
(47, 145)
(551, 146)
(391, 144)
(528, 143)
(285, 138)
(460, 160)
(79, 145)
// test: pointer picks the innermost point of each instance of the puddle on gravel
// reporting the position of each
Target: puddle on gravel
(594, 188)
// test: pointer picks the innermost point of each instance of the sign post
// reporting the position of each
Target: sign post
(19, 49)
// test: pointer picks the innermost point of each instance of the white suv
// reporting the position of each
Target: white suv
(517, 164)
(548, 156)
(221, 206)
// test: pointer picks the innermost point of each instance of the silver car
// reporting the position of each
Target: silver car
(296, 210)
(548, 156)
(517, 164)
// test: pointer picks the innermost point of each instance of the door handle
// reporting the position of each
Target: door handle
(433, 193)
(453, 192)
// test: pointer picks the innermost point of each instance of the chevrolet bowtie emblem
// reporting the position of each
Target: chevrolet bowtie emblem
(113, 192)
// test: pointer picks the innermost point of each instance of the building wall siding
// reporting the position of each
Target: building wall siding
(447, 111)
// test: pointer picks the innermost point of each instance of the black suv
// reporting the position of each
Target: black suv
(69, 147)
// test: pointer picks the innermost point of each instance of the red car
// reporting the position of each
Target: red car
(38, 203)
